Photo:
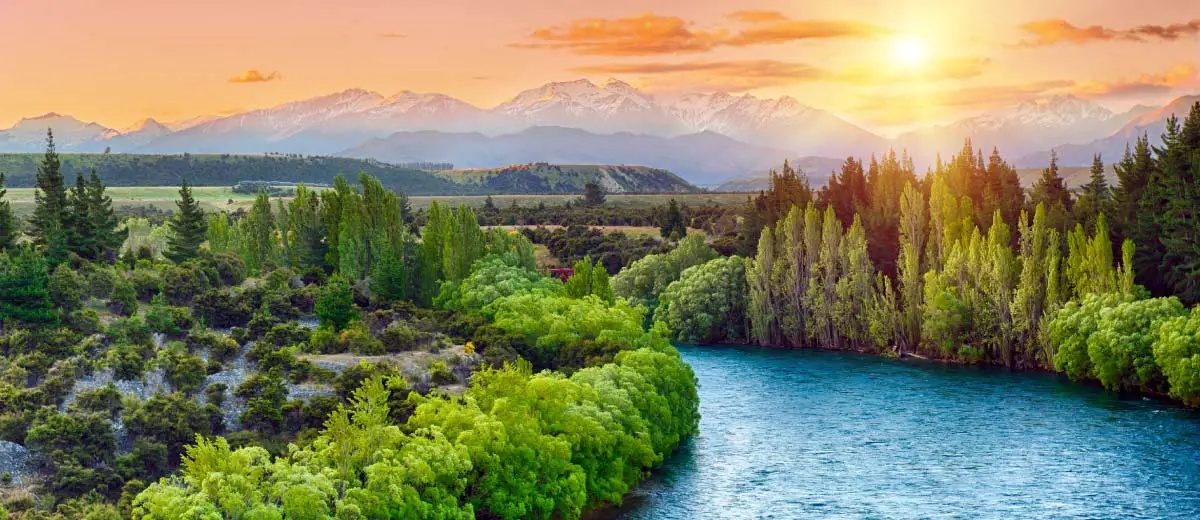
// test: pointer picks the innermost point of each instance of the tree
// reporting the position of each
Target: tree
(47, 225)
(593, 194)
(96, 231)
(24, 288)
(1051, 192)
(910, 265)
(335, 304)
(64, 287)
(1133, 172)
(1095, 198)
(708, 303)
(188, 227)
(8, 223)
(307, 229)
(673, 226)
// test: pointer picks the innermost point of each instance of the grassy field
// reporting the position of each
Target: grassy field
(218, 198)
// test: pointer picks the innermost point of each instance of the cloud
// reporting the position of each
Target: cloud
(393, 36)
(755, 16)
(794, 30)
(642, 35)
(1056, 31)
(730, 76)
(650, 34)
(254, 76)
(1180, 76)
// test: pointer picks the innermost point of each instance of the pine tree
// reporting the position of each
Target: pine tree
(24, 289)
(673, 226)
(1095, 197)
(104, 233)
(188, 227)
(1052, 192)
(8, 223)
(1133, 172)
(593, 194)
(75, 221)
(47, 225)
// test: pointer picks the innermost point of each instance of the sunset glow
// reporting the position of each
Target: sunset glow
(118, 62)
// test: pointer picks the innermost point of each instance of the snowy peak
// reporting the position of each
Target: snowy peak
(579, 97)
(1059, 111)
(148, 125)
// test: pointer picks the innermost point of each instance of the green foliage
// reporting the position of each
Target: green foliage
(1121, 348)
(124, 297)
(9, 226)
(673, 226)
(492, 278)
(1177, 353)
(64, 287)
(707, 303)
(648, 277)
(188, 227)
(335, 304)
(24, 289)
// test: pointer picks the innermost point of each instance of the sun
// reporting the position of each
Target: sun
(909, 51)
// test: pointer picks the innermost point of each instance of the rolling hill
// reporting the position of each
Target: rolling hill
(559, 178)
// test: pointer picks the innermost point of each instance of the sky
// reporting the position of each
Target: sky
(886, 65)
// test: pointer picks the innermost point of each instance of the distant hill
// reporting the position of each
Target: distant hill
(226, 170)
(567, 178)
(706, 157)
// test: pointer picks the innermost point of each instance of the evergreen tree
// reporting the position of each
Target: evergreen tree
(593, 194)
(673, 226)
(47, 225)
(1172, 201)
(1095, 197)
(8, 223)
(258, 235)
(1133, 172)
(335, 304)
(1051, 192)
(188, 227)
(103, 230)
(24, 289)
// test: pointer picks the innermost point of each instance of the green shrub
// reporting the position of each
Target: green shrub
(147, 282)
(105, 400)
(65, 288)
(124, 298)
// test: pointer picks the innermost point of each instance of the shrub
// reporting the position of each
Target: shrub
(440, 374)
(124, 298)
(98, 281)
(335, 304)
(286, 334)
(1177, 351)
(65, 288)
(146, 282)
(398, 337)
(181, 284)
(83, 321)
(215, 393)
(222, 308)
(104, 400)
(171, 419)
(168, 320)
(185, 372)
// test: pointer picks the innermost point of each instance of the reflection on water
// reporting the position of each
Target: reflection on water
(804, 434)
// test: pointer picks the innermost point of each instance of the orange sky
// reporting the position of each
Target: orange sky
(117, 61)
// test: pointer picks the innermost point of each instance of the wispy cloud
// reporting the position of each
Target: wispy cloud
(730, 76)
(651, 35)
(393, 36)
(757, 16)
(643, 35)
(254, 76)
(1056, 31)
(1180, 76)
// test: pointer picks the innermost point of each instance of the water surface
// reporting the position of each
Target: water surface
(806, 434)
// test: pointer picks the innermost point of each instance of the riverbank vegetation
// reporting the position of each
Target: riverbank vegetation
(314, 357)
(963, 265)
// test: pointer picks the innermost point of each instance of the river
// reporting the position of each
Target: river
(809, 434)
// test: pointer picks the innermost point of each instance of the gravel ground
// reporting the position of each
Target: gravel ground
(17, 461)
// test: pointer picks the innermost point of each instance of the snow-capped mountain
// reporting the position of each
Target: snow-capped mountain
(613, 106)
(257, 131)
(1141, 120)
(29, 134)
(1024, 128)
(782, 123)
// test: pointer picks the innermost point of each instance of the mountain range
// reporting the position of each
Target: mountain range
(706, 138)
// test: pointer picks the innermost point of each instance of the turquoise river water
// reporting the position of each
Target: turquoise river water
(809, 434)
